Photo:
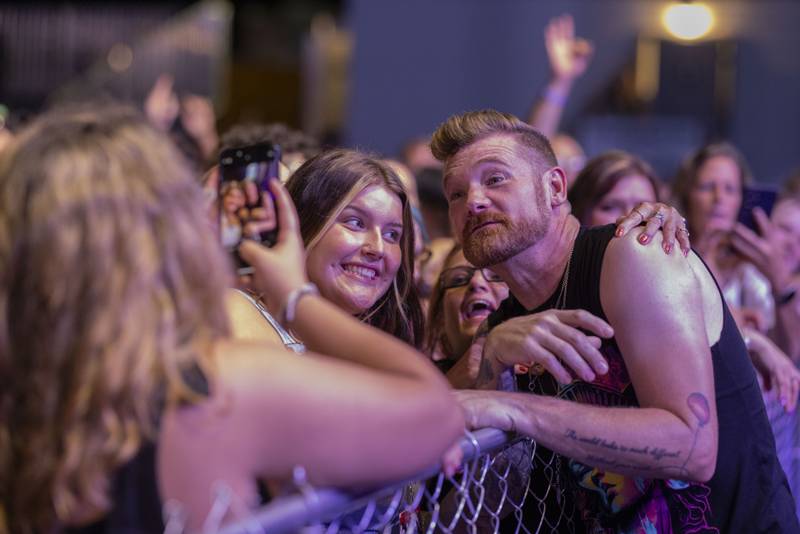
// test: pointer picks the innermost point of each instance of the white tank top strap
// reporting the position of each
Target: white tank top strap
(288, 340)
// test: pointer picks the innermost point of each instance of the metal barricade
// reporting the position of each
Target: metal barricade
(506, 484)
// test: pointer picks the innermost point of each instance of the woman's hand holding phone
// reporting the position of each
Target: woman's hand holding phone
(281, 269)
(762, 249)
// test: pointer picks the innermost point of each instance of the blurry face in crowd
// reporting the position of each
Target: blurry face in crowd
(716, 196)
(356, 260)
(419, 156)
(628, 193)
(496, 199)
(469, 301)
(786, 217)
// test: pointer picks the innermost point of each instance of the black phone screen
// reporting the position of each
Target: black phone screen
(752, 197)
(246, 205)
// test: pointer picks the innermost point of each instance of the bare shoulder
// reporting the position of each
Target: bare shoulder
(636, 276)
(631, 262)
(246, 320)
(628, 248)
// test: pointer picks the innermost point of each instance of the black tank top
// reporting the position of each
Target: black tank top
(748, 492)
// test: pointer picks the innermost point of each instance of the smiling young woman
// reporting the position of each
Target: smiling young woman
(356, 225)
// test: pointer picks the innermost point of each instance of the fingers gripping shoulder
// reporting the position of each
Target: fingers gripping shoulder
(636, 278)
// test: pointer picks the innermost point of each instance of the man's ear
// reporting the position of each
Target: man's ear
(556, 180)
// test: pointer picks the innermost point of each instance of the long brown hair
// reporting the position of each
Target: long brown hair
(112, 286)
(600, 175)
(321, 188)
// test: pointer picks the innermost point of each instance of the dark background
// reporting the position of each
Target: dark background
(404, 66)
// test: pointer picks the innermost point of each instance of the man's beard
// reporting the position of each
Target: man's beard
(504, 239)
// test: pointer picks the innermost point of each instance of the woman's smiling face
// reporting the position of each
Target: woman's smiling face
(356, 260)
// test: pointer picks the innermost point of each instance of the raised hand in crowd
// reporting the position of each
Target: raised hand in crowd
(779, 374)
(763, 249)
(569, 57)
(162, 105)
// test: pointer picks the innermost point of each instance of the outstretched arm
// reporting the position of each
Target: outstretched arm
(569, 57)
(661, 332)
(372, 403)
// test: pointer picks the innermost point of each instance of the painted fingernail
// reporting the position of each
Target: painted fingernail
(667, 248)
(686, 253)
(618, 233)
(643, 239)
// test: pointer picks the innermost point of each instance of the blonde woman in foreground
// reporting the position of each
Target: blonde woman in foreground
(119, 387)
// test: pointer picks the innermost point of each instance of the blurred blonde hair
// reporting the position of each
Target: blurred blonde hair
(112, 287)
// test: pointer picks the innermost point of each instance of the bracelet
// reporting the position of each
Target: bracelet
(555, 97)
(290, 308)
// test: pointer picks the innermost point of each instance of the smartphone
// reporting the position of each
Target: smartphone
(756, 196)
(246, 205)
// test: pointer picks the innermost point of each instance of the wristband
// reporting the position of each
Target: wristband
(290, 308)
(555, 97)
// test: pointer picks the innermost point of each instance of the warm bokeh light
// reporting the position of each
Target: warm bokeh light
(688, 21)
(120, 57)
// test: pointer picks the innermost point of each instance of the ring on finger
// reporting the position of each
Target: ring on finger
(660, 216)
(640, 213)
(684, 230)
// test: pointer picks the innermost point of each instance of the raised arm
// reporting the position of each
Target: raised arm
(569, 57)
(662, 335)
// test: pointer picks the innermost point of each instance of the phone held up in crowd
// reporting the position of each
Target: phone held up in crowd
(246, 204)
(763, 197)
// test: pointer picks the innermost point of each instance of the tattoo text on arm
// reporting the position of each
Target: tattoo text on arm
(650, 459)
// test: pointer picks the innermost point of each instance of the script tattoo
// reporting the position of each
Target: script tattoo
(647, 459)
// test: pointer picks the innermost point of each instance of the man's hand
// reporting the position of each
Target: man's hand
(552, 339)
(483, 409)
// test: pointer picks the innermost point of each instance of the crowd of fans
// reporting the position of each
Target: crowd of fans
(137, 367)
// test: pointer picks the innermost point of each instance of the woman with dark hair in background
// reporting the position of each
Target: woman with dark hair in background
(119, 387)
(611, 185)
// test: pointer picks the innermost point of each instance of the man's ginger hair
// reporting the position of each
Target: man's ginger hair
(460, 131)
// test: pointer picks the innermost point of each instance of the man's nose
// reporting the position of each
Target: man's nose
(477, 200)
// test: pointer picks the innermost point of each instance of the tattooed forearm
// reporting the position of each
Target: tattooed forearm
(647, 460)
(657, 453)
